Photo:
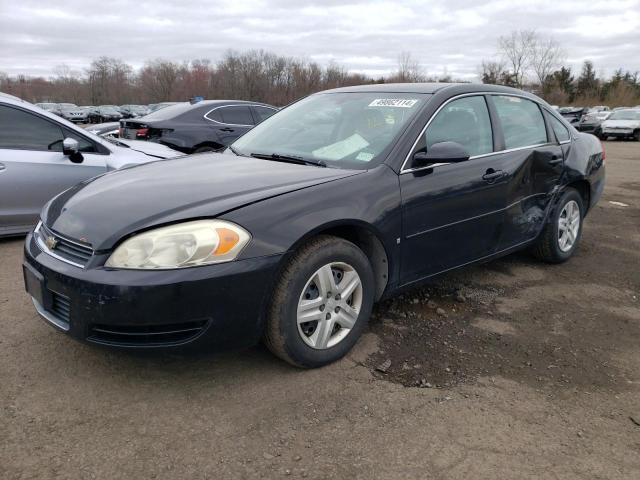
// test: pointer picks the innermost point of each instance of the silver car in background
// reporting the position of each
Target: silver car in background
(73, 113)
(41, 155)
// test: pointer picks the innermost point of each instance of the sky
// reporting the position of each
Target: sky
(444, 36)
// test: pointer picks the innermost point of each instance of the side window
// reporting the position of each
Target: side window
(240, 115)
(522, 121)
(84, 145)
(465, 121)
(25, 131)
(263, 112)
(561, 131)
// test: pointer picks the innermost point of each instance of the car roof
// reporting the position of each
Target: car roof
(433, 87)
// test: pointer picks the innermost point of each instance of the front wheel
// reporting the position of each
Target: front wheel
(321, 303)
(560, 237)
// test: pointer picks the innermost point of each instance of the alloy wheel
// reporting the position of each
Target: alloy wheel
(568, 225)
(329, 305)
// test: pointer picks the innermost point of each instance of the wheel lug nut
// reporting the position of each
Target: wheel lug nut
(328, 316)
(321, 308)
(329, 295)
(337, 309)
(338, 297)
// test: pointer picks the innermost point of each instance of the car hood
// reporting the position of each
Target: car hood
(107, 208)
(621, 123)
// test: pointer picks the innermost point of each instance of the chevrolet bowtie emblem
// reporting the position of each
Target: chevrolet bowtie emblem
(51, 243)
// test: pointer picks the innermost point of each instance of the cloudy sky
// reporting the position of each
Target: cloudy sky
(445, 36)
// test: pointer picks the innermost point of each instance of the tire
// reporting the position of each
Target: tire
(206, 148)
(636, 135)
(550, 246)
(300, 283)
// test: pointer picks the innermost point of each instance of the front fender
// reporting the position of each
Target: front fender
(370, 201)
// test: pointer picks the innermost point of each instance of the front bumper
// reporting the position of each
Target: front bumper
(218, 306)
(618, 133)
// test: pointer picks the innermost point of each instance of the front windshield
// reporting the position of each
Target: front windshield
(346, 130)
(625, 115)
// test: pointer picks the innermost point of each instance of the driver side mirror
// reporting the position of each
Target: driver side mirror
(70, 148)
(441, 152)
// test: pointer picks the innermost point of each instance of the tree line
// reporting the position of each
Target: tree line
(524, 59)
(254, 75)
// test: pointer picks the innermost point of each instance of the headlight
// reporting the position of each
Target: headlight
(188, 244)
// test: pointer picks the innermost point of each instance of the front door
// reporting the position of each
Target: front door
(452, 213)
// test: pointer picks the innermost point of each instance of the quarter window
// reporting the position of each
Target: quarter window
(26, 131)
(522, 121)
(465, 121)
(562, 132)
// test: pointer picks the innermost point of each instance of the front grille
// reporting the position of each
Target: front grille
(146, 335)
(61, 306)
(74, 252)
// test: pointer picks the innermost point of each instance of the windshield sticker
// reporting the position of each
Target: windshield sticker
(394, 102)
(341, 149)
(364, 156)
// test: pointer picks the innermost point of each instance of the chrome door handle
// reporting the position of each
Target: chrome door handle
(555, 159)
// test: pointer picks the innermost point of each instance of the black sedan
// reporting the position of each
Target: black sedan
(104, 113)
(293, 233)
(206, 126)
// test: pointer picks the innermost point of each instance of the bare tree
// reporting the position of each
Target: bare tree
(409, 69)
(516, 49)
(546, 56)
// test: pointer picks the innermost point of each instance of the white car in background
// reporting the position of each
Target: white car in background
(42, 154)
(622, 124)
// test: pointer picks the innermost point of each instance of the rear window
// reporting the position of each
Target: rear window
(522, 121)
(170, 112)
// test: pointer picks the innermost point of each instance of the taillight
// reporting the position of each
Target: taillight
(121, 132)
(142, 132)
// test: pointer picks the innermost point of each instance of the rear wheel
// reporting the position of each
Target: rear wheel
(321, 303)
(561, 235)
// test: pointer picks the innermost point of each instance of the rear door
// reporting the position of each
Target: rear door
(532, 162)
(452, 213)
(231, 121)
(33, 168)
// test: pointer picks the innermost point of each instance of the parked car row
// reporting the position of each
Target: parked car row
(294, 231)
(100, 113)
(621, 122)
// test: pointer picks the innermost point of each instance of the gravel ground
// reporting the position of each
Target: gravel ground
(509, 370)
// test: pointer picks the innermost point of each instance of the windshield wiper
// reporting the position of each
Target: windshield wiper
(289, 159)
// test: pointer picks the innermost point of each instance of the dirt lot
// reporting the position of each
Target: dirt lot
(508, 370)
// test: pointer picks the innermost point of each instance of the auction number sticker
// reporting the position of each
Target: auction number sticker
(394, 102)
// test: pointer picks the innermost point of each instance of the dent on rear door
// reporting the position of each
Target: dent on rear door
(533, 178)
